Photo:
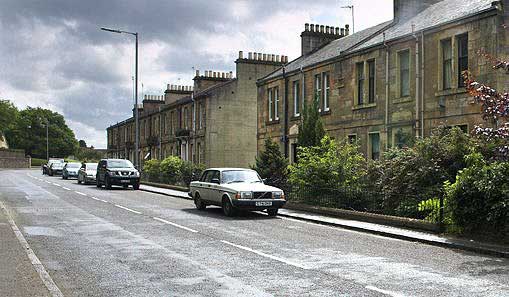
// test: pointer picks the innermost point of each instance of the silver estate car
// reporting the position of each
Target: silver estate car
(235, 188)
(87, 173)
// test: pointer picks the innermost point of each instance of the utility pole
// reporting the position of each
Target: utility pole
(353, 17)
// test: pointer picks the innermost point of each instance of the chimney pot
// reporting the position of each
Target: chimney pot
(347, 30)
(312, 27)
(336, 31)
(223, 75)
(277, 58)
(241, 55)
(250, 56)
(327, 29)
(264, 57)
(231, 74)
(306, 27)
(322, 27)
(342, 32)
(197, 72)
(167, 86)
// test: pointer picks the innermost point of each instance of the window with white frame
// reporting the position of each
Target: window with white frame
(404, 73)
(326, 91)
(318, 88)
(446, 64)
(276, 103)
(270, 105)
(296, 98)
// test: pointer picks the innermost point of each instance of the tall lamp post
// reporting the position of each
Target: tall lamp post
(136, 120)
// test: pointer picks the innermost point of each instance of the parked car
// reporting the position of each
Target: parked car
(87, 173)
(70, 170)
(56, 168)
(117, 172)
(45, 167)
(235, 188)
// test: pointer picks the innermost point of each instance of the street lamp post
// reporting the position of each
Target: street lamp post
(136, 120)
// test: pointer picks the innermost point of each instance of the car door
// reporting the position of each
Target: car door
(82, 173)
(205, 185)
(215, 193)
(101, 170)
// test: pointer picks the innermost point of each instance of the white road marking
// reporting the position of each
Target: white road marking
(79, 193)
(128, 209)
(56, 185)
(43, 274)
(175, 225)
(48, 182)
(265, 255)
(66, 188)
(389, 293)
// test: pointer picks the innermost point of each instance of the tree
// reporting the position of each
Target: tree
(271, 164)
(29, 133)
(330, 165)
(8, 115)
(86, 154)
(311, 129)
(82, 143)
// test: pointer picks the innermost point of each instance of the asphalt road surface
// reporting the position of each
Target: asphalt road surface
(95, 242)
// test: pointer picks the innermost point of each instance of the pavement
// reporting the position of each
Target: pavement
(97, 242)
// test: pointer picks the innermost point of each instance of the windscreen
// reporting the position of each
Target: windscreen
(239, 176)
(120, 164)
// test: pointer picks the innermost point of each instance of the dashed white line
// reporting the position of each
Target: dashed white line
(389, 293)
(79, 193)
(48, 182)
(175, 225)
(66, 188)
(128, 209)
(265, 255)
(43, 274)
(56, 185)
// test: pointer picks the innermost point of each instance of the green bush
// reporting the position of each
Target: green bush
(478, 200)
(409, 176)
(171, 170)
(190, 171)
(38, 162)
(152, 170)
(330, 165)
(272, 165)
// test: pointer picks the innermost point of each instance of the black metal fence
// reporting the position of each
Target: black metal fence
(416, 206)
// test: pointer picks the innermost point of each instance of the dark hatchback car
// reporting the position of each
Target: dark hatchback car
(56, 168)
(118, 172)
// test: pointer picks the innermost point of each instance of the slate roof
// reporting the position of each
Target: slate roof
(329, 51)
(438, 14)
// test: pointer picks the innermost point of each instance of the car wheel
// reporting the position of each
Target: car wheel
(228, 209)
(200, 205)
(136, 186)
(107, 184)
(97, 183)
(79, 180)
(272, 212)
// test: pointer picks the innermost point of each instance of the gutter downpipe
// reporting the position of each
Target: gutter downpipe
(386, 94)
(285, 135)
(417, 81)
(422, 83)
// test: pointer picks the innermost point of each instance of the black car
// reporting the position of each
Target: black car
(117, 172)
(45, 167)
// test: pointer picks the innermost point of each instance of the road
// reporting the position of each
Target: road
(94, 242)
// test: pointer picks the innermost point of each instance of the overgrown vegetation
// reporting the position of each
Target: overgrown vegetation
(172, 170)
(271, 165)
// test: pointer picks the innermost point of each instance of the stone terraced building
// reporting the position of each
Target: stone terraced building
(391, 82)
(212, 122)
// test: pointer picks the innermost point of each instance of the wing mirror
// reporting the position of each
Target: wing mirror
(264, 180)
(215, 181)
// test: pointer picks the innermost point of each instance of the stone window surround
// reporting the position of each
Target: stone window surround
(297, 92)
(411, 72)
(454, 76)
(370, 144)
(365, 103)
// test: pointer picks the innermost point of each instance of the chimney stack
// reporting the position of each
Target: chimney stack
(315, 36)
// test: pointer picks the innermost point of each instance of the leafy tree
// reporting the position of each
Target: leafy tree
(190, 172)
(82, 143)
(152, 170)
(8, 115)
(311, 129)
(86, 154)
(328, 165)
(29, 133)
(272, 165)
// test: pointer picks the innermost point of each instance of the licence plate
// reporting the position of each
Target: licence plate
(263, 203)
(125, 181)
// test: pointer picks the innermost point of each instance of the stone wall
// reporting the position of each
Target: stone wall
(13, 159)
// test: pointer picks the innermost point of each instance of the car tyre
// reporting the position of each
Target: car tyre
(136, 186)
(98, 184)
(107, 183)
(272, 212)
(228, 209)
(200, 205)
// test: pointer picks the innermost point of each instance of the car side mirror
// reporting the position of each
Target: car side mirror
(264, 180)
(104, 166)
(215, 181)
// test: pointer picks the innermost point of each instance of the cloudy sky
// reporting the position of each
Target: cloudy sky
(53, 55)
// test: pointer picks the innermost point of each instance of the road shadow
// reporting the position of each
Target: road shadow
(217, 212)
